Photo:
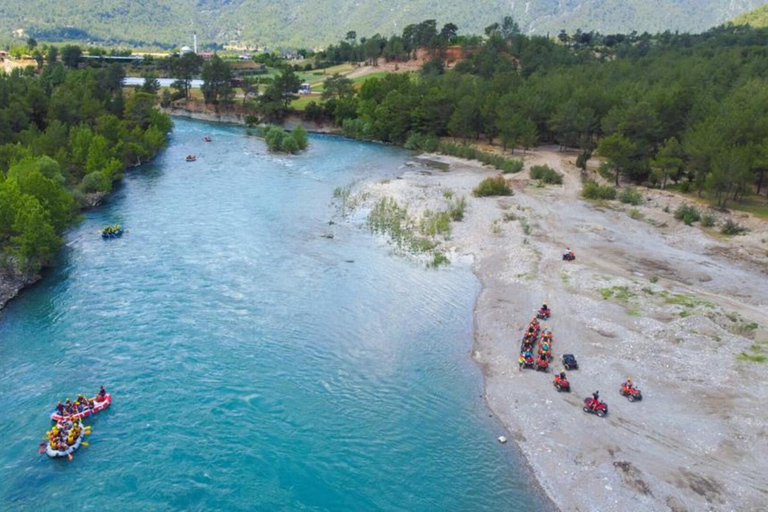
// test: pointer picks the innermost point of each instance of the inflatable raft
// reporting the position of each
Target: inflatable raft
(97, 407)
(63, 453)
(112, 234)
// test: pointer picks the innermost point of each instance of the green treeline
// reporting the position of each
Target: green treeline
(65, 134)
(691, 109)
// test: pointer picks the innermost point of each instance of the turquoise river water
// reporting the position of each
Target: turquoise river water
(254, 364)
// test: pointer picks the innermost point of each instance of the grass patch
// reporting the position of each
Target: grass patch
(546, 174)
(688, 301)
(593, 190)
(494, 186)
(620, 293)
(634, 213)
(509, 217)
(752, 358)
(631, 196)
(731, 228)
(496, 228)
(708, 220)
(456, 208)
(434, 224)
(526, 226)
(505, 165)
(688, 214)
(438, 260)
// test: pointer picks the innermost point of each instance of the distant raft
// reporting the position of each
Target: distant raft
(98, 406)
(191, 158)
(114, 231)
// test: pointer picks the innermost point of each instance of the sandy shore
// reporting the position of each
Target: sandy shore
(674, 307)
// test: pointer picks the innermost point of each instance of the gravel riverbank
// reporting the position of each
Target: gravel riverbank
(680, 309)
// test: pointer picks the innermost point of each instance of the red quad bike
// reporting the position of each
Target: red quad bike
(595, 406)
(526, 361)
(562, 384)
(632, 393)
(542, 363)
(543, 314)
(569, 256)
(545, 349)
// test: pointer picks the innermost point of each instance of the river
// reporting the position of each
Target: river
(254, 364)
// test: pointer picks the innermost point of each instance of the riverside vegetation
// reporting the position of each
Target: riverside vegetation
(678, 108)
(65, 136)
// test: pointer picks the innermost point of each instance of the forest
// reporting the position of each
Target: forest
(65, 136)
(668, 108)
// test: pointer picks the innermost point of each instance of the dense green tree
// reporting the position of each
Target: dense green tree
(70, 55)
(217, 81)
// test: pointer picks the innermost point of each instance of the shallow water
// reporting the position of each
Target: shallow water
(254, 364)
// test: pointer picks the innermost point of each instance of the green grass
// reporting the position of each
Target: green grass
(364, 78)
(753, 358)
(620, 293)
(302, 101)
(493, 186)
(688, 301)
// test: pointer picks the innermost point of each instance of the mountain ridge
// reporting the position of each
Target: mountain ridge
(294, 23)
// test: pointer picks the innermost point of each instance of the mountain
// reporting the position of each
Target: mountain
(756, 18)
(301, 23)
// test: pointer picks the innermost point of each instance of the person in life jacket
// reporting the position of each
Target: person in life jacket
(628, 384)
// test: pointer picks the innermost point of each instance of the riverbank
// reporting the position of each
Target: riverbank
(679, 309)
(235, 115)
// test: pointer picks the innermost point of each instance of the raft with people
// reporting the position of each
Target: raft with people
(112, 231)
(191, 158)
(65, 438)
(81, 408)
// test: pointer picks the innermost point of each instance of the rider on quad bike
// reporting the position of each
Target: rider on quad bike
(568, 254)
(561, 382)
(629, 390)
(594, 405)
(544, 312)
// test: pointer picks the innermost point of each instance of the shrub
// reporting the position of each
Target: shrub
(732, 228)
(419, 141)
(279, 140)
(685, 187)
(494, 186)
(456, 208)
(546, 174)
(505, 165)
(631, 196)
(708, 220)
(687, 213)
(593, 190)
(634, 213)
(438, 260)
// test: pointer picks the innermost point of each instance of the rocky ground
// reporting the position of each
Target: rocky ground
(680, 309)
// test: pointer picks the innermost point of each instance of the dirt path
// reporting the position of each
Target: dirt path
(648, 297)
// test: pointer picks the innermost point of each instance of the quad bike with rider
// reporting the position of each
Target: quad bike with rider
(568, 254)
(526, 360)
(545, 349)
(593, 405)
(630, 391)
(542, 363)
(561, 382)
(544, 312)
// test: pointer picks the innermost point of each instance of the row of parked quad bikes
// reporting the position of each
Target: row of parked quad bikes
(535, 335)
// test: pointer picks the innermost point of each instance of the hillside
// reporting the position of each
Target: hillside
(298, 23)
(756, 18)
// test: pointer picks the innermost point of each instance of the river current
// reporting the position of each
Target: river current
(254, 363)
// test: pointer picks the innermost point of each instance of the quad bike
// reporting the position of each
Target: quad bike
(562, 384)
(526, 361)
(569, 362)
(543, 314)
(542, 363)
(569, 256)
(545, 349)
(632, 393)
(595, 406)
